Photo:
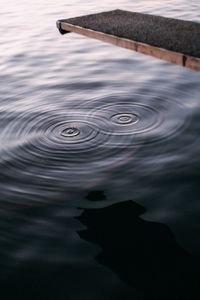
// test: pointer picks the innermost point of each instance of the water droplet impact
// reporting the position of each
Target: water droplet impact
(125, 118)
(70, 132)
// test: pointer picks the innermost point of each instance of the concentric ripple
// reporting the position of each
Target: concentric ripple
(124, 119)
(136, 118)
(140, 119)
(70, 132)
(46, 152)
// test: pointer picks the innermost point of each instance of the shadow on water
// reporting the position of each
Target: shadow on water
(143, 254)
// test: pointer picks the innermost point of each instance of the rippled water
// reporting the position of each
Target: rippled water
(85, 127)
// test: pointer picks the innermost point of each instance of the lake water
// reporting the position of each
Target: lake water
(99, 164)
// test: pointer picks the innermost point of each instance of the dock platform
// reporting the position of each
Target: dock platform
(173, 40)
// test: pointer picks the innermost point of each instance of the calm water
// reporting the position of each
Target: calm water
(99, 164)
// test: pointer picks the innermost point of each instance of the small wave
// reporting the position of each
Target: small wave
(67, 149)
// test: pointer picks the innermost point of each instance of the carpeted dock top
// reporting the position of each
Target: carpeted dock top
(171, 34)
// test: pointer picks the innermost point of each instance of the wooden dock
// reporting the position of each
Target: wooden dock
(173, 40)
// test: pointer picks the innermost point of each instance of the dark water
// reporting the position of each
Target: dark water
(99, 164)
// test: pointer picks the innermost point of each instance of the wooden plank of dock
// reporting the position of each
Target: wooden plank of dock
(173, 40)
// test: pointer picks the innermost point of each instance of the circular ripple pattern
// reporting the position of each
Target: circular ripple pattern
(124, 119)
(70, 132)
(73, 132)
(45, 153)
(140, 119)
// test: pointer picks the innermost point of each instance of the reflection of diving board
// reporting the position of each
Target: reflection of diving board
(173, 40)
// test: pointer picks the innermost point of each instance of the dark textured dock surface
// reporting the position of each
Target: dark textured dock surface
(171, 34)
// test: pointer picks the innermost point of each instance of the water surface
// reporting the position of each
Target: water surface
(99, 164)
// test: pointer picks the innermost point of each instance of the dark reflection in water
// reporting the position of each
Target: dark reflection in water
(143, 254)
(74, 276)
